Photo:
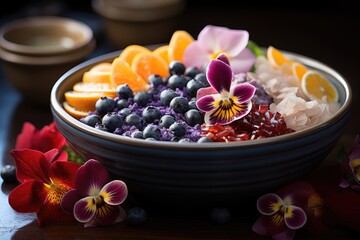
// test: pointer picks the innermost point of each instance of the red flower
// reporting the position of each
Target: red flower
(43, 140)
(45, 178)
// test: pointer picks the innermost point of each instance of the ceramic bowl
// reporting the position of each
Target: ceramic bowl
(193, 174)
(36, 51)
(138, 21)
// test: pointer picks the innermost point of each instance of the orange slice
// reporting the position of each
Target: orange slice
(315, 86)
(82, 101)
(145, 64)
(122, 73)
(162, 52)
(298, 70)
(73, 112)
(276, 58)
(131, 51)
(177, 45)
(100, 73)
(106, 88)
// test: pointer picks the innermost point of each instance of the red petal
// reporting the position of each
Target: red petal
(49, 212)
(64, 172)
(68, 201)
(24, 139)
(27, 197)
(49, 137)
(114, 192)
(51, 155)
(30, 164)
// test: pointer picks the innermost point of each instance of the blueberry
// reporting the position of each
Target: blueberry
(176, 68)
(137, 134)
(155, 80)
(142, 98)
(191, 72)
(166, 121)
(220, 215)
(102, 127)
(150, 139)
(175, 139)
(179, 104)
(193, 86)
(204, 139)
(177, 129)
(125, 112)
(8, 174)
(112, 121)
(193, 117)
(176, 81)
(167, 95)
(92, 120)
(152, 131)
(184, 140)
(133, 120)
(104, 105)
(124, 91)
(192, 105)
(122, 103)
(202, 78)
(151, 113)
(136, 216)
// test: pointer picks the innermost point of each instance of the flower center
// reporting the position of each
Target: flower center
(315, 204)
(355, 164)
(55, 192)
(227, 108)
(214, 55)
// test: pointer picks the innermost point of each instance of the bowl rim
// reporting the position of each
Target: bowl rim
(48, 21)
(57, 109)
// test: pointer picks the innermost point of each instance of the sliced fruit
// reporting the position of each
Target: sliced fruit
(315, 86)
(101, 67)
(121, 73)
(131, 51)
(298, 70)
(178, 43)
(276, 58)
(145, 64)
(73, 112)
(99, 73)
(82, 101)
(162, 52)
(106, 88)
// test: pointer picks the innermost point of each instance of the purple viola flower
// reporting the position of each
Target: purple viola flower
(280, 217)
(351, 166)
(213, 40)
(225, 101)
(95, 200)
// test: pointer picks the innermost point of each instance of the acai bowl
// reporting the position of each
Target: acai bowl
(224, 170)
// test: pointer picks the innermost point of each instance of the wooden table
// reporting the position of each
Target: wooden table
(323, 35)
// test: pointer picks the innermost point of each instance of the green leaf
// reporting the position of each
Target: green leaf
(254, 48)
(72, 157)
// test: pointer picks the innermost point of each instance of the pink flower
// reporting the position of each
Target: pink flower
(213, 40)
(95, 201)
(225, 101)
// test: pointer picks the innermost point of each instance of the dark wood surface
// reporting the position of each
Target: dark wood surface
(326, 34)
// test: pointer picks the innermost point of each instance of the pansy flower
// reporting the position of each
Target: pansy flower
(95, 201)
(45, 178)
(213, 40)
(351, 165)
(43, 140)
(225, 100)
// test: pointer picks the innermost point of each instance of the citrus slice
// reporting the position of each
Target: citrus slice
(145, 64)
(298, 70)
(315, 86)
(131, 51)
(82, 101)
(162, 52)
(105, 88)
(177, 45)
(99, 73)
(276, 58)
(73, 112)
(121, 73)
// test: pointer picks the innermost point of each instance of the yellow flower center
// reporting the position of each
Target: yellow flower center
(227, 108)
(55, 192)
(315, 204)
(355, 164)
(214, 55)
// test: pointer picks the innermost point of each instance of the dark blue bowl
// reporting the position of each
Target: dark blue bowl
(202, 174)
